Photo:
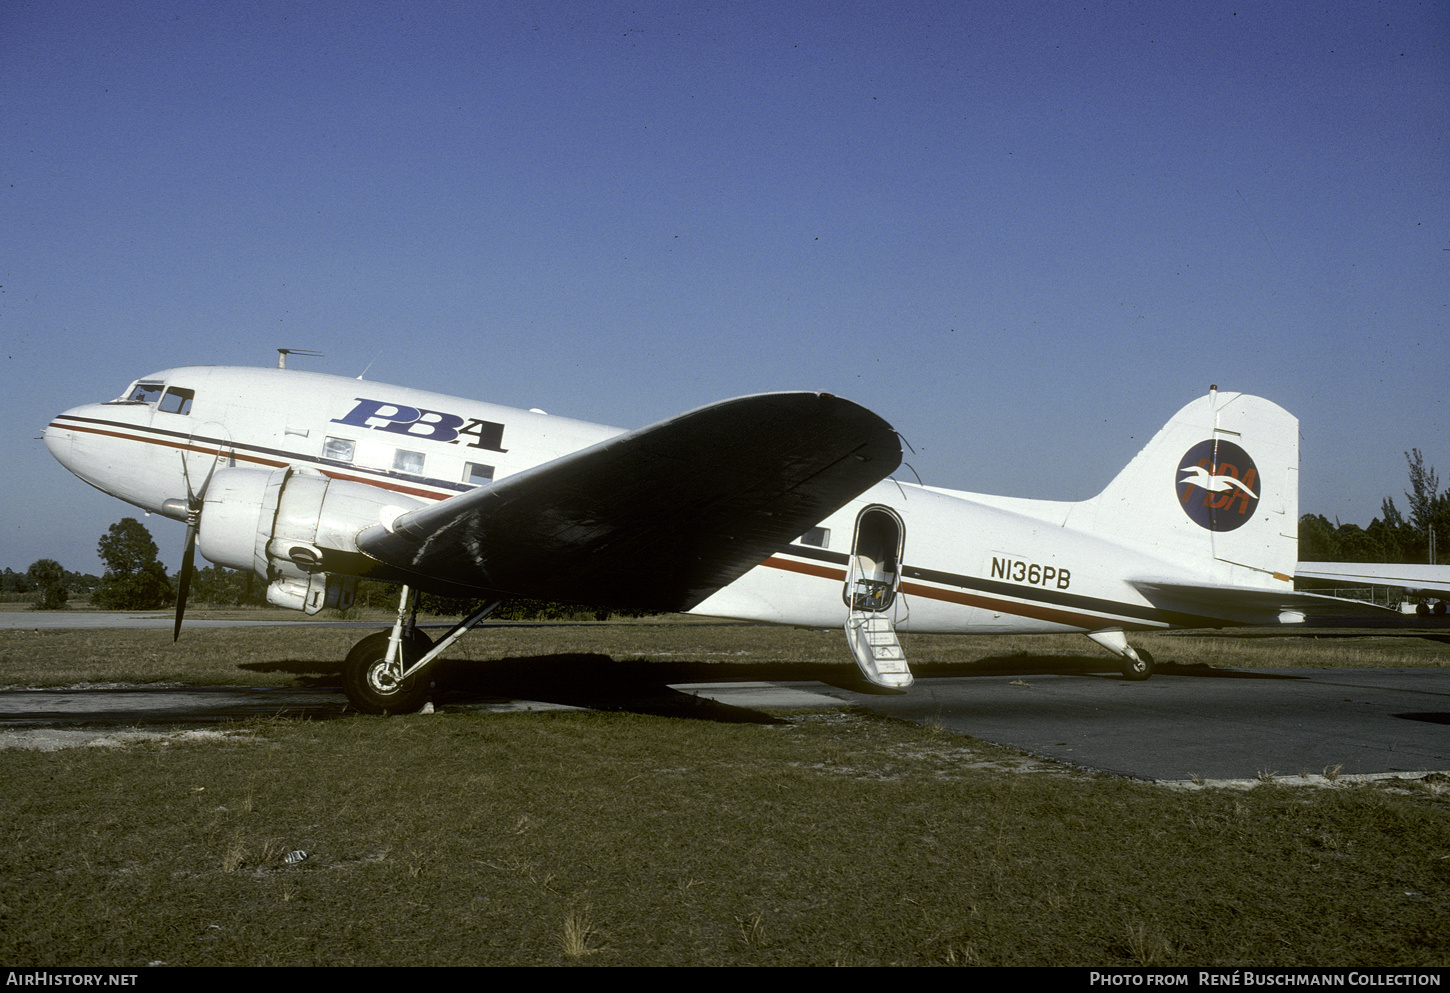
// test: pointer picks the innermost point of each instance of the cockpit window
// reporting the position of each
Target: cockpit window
(144, 393)
(177, 401)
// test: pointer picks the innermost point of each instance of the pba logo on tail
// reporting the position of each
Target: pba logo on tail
(1218, 485)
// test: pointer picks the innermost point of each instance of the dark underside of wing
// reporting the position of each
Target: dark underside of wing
(1245, 605)
(658, 518)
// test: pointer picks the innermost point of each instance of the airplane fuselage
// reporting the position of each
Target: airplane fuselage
(411, 442)
(924, 559)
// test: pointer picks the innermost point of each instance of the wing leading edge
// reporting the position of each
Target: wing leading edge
(657, 518)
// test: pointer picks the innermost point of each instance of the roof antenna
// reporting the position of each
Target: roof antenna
(282, 354)
(1212, 393)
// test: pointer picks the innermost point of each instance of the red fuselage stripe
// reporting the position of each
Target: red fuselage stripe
(806, 568)
(256, 459)
(1035, 611)
(1005, 606)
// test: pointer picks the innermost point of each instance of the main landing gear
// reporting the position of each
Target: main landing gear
(1137, 663)
(386, 673)
(373, 684)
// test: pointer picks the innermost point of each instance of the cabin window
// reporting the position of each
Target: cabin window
(177, 401)
(820, 537)
(477, 474)
(144, 393)
(410, 463)
(338, 449)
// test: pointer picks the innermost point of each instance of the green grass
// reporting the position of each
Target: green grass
(620, 838)
(614, 838)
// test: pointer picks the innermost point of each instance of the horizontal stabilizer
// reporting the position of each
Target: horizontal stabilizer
(1251, 605)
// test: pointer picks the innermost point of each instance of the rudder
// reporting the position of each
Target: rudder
(1217, 489)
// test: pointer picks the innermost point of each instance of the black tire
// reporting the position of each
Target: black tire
(1139, 670)
(1439, 608)
(1422, 608)
(364, 669)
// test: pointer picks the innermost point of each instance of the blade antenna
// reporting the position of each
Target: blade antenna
(370, 364)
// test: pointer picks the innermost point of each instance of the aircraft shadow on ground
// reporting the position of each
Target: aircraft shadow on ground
(600, 682)
(1430, 717)
(589, 680)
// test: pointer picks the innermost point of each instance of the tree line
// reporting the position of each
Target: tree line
(136, 580)
(1394, 536)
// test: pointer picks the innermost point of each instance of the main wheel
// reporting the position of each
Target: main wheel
(371, 688)
(1141, 668)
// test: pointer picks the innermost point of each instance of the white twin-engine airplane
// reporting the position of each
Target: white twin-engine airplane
(774, 507)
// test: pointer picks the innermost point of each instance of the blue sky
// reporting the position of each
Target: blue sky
(1024, 233)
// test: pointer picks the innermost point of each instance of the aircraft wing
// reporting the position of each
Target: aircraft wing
(1199, 605)
(1428, 578)
(657, 518)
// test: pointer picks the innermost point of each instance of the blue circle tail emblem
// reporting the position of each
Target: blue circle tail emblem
(1218, 485)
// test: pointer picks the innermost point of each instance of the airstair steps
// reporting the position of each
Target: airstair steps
(877, 651)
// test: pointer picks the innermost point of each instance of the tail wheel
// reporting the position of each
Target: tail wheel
(369, 685)
(1139, 668)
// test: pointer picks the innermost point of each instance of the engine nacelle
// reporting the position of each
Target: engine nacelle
(287, 525)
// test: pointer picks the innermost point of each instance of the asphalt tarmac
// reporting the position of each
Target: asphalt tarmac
(1229, 724)
(1217, 725)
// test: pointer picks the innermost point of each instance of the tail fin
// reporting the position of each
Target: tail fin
(1216, 490)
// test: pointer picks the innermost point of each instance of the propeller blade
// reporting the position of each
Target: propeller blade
(183, 585)
(194, 503)
(194, 498)
(206, 481)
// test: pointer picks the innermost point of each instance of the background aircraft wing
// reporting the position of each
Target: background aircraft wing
(1426, 578)
(656, 518)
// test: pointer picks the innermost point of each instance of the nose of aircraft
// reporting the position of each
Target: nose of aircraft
(62, 436)
(58, 438)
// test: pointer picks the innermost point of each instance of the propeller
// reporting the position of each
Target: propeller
(194, 501)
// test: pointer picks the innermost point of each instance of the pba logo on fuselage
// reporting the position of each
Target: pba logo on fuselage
(1218, 485)
(426, 425)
